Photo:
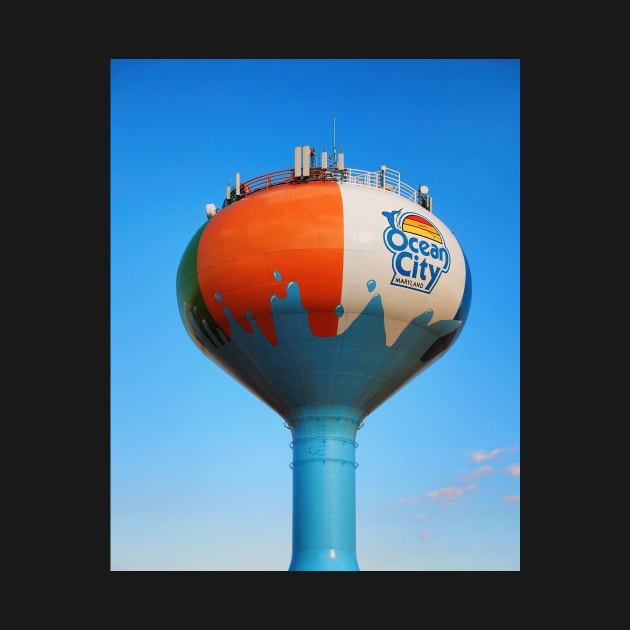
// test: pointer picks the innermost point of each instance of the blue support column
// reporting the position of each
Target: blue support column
(324, 495)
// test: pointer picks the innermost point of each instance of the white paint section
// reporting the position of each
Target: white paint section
(366, 258)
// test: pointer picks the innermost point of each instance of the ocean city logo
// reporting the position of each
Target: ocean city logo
(419, 256)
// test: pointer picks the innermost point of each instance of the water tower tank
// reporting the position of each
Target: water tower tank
(323, 290)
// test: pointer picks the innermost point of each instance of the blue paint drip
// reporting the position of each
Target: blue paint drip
(349, 374)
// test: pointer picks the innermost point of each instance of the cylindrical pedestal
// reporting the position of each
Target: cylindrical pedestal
(324, 501)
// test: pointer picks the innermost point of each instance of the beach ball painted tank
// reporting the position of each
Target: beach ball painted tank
(324, 298)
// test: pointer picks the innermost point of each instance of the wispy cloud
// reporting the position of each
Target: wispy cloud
(418, 517)
(412, 499)
(425, 534)
(450, 494)
(482, 470)
(481, 456)
(513, 469)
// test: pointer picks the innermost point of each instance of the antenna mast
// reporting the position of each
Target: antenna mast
(332, 161)
(333, 157)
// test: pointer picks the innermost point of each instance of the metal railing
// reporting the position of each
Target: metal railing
(387, 179)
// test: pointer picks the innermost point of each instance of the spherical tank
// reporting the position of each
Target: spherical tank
(323, 295)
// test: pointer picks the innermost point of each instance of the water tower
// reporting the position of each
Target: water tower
(324, 290)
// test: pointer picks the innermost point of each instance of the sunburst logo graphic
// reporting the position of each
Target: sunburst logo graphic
(419, 254)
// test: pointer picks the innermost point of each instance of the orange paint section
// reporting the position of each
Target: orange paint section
(293, 229)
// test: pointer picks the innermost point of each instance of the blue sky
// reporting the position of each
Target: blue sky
(200, 477)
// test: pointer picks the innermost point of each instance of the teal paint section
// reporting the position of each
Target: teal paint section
(323, 387)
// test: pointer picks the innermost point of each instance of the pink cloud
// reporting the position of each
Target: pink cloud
(480, 456)
(482, 470)
(448, 496)
(412, 499)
